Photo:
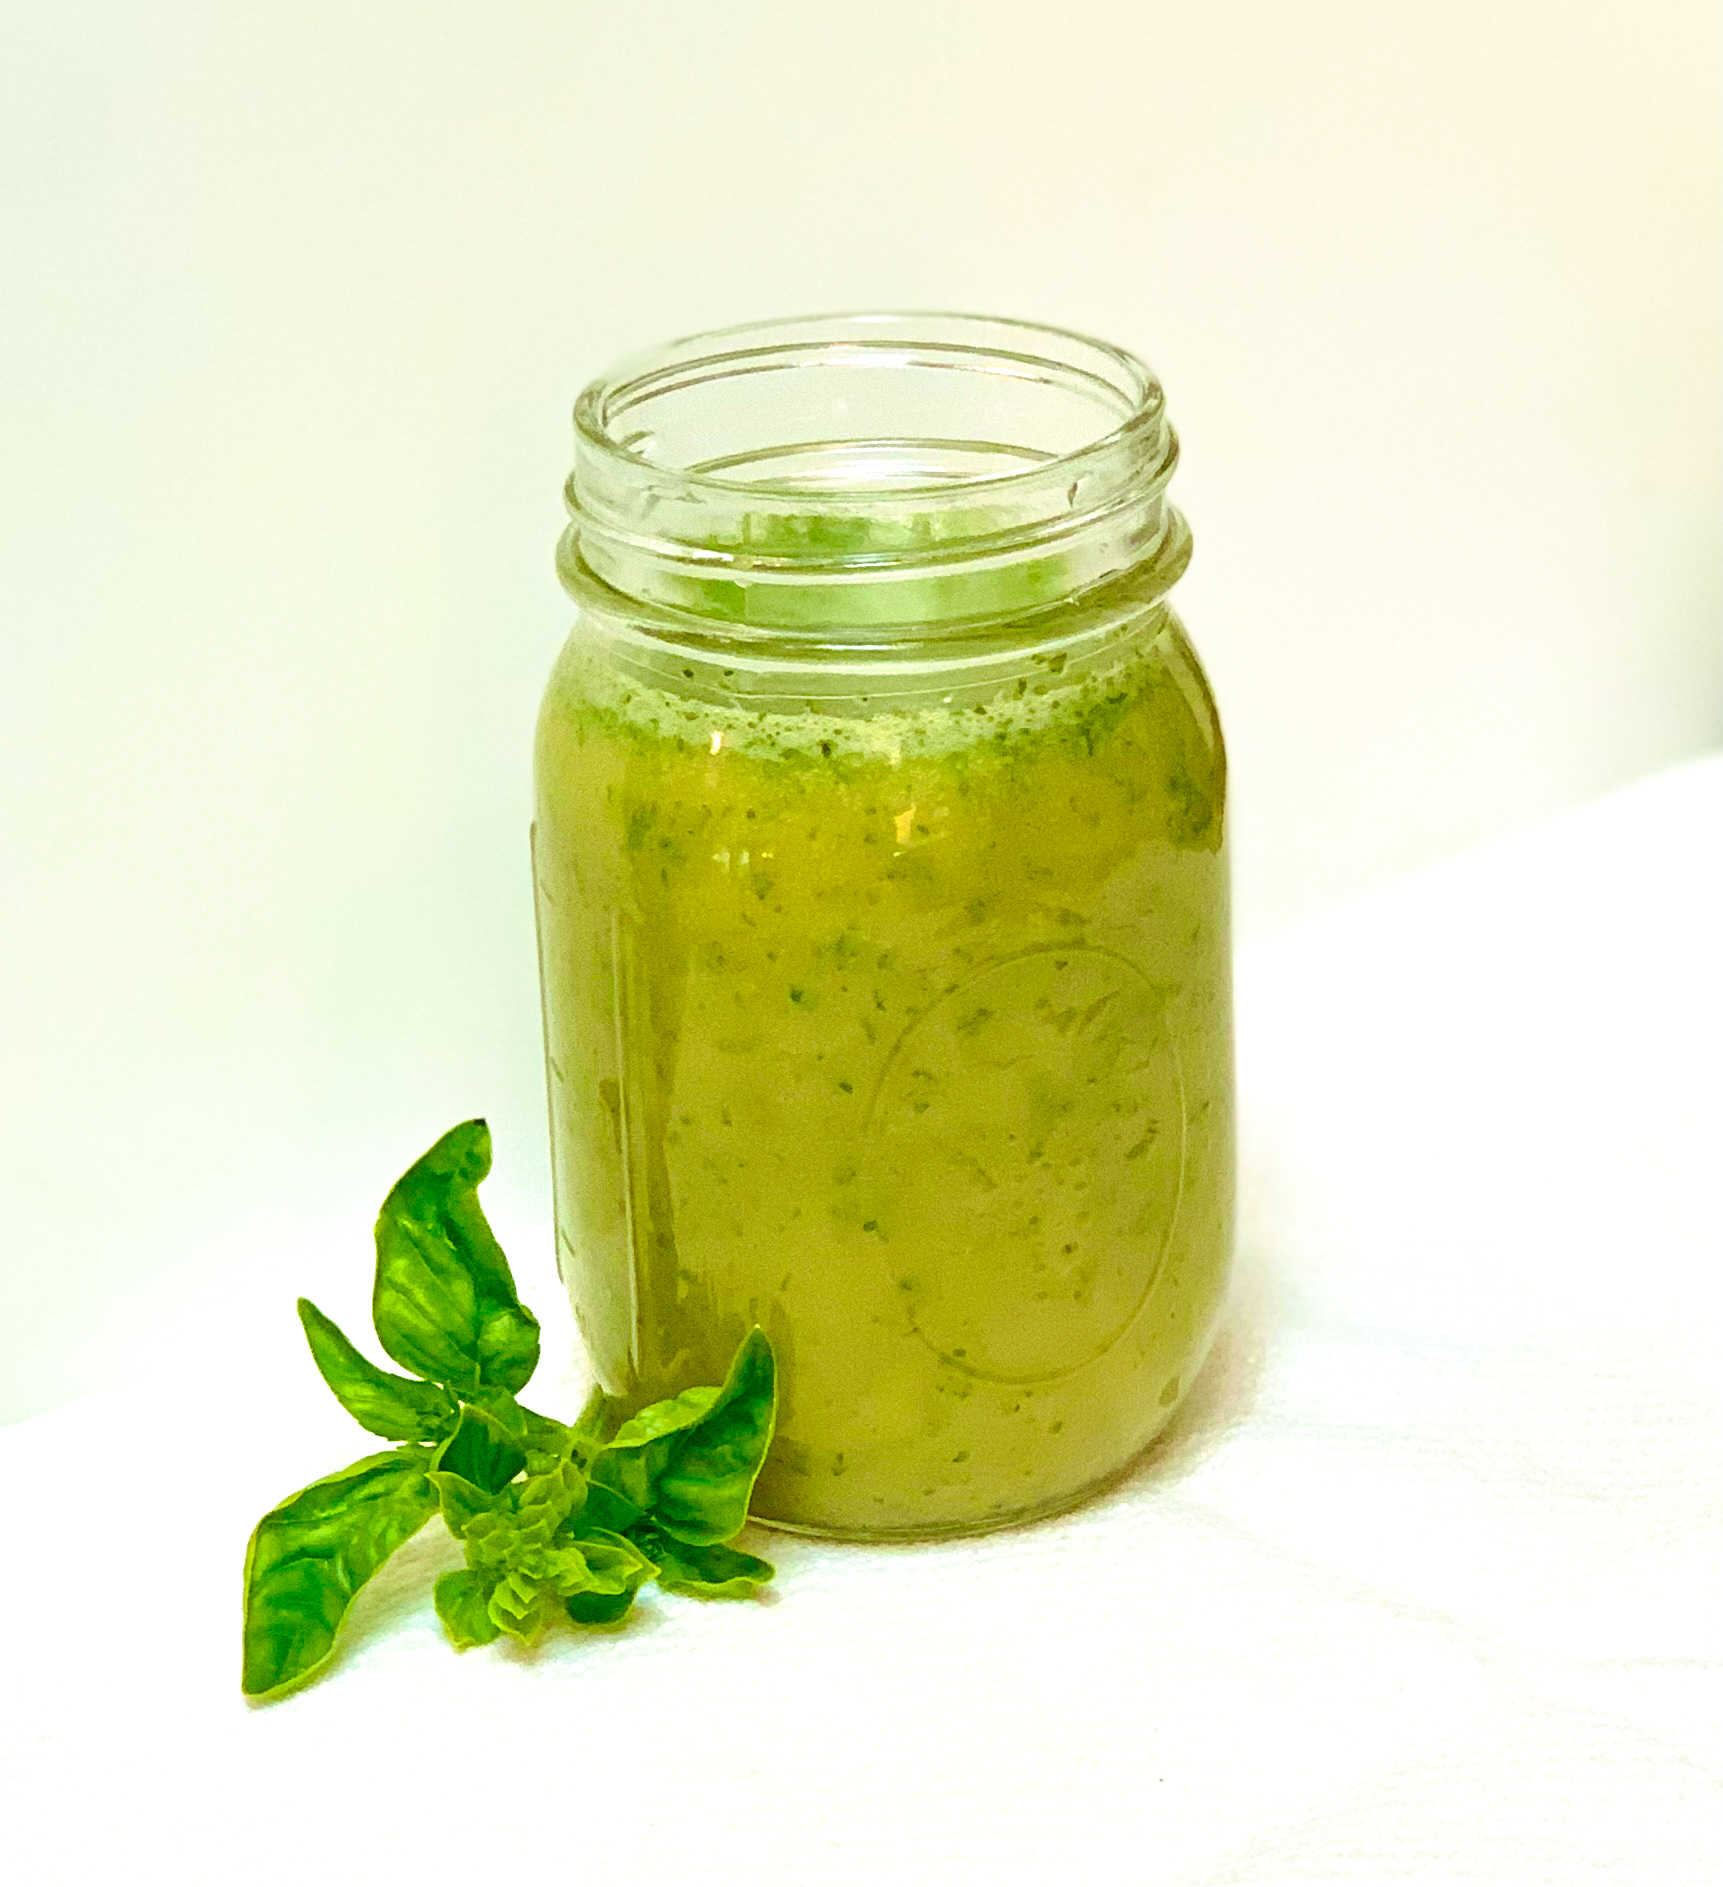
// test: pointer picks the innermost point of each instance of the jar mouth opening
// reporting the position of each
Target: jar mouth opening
(869, 408)
(882, 473)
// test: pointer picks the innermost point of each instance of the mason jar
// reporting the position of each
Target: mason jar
(881, 875)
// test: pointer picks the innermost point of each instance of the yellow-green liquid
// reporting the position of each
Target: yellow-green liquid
(903, 1032)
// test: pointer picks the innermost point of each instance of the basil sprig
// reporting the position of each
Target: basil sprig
(559, 1520)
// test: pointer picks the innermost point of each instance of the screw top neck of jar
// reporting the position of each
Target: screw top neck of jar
(883, 472)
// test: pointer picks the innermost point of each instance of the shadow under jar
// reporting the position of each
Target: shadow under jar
(882, 900)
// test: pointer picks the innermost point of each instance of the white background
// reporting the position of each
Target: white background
(294, 301)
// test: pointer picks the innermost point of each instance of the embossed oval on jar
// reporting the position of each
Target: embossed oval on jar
(1026, 1147)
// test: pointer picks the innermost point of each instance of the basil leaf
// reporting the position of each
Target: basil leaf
(619, 1569)
(462, 1502)
(615, 1563)
(524, 1576)
(536, 1583)
(706, 1572)
(701, 1493)
(599, 1608)
(628, 1473)
(639, 1449)
(444, 1299)
(665, 1418)
(500, 1413)
(399, 1408)
(546, 1499)
(606, 1510)
(691, 1461)
(309, 1556)
(475, 1453)
(522, 1606)
(491, 1540)
(463, 1606)
(546, 1435)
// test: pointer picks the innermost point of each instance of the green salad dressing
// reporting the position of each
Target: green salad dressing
(901, 1029)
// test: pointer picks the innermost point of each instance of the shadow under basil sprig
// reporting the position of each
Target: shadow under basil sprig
(559, 1520)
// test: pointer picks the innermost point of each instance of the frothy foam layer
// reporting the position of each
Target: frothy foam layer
(1038, 696)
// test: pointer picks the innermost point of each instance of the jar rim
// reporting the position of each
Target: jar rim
(982, 343)
(877, 475)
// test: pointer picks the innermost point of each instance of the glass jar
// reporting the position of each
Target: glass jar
(883, 909)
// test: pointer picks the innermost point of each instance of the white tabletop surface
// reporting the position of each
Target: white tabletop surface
(1426, 1586)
